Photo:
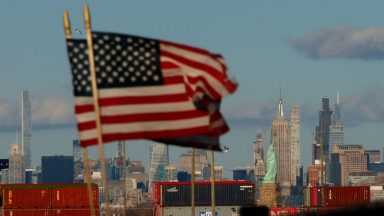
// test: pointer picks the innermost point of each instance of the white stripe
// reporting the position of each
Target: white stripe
(143, 91)
(201, 58)
(79, 101)
(86, 117)
(147, 108)
(88, 134)
(155, 125)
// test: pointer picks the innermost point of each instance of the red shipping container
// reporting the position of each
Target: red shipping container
(74, 212)
(345, 196)
(27, 212)
(314, 193)
(26, 196)
(283, 211)
(73, 196)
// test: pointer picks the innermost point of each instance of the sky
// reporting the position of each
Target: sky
(309, 49)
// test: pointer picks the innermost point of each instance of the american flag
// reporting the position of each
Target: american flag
(149, 89)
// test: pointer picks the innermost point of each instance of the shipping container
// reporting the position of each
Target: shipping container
(27, 212)
(74, 212)
(274, 211)
(26, 196)
(336, 196)
(345, 196)
(73, 196)
(236, 193)
(199, 210)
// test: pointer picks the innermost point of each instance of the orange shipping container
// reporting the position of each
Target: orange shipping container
(21, 196)
(73, 196)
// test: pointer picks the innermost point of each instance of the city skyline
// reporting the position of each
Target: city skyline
(277, 44)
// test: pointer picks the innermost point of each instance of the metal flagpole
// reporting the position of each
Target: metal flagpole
(125, 179)
(95, 93)
(86, 171)
(193, 183)
(213, 182)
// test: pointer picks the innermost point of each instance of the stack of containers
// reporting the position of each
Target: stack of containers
(377, 193)
(174, 198)
(47, 199)
(73, 200)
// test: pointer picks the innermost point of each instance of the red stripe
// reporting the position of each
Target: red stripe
(152, 117)
(204, 67)
(113, 101)
(169, 80)
(86, 125)
(167, 65)
(84, 108)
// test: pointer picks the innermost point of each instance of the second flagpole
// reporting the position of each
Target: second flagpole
(87, 20)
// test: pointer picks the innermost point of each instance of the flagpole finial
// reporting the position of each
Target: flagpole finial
(67, 25)
(87, 18)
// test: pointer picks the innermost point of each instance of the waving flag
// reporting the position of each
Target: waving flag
(149, 89)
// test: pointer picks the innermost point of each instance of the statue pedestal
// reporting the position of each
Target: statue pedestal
(268, 195)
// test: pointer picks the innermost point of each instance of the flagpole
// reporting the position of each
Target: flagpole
(86, 171)
(125, 179)
(193, 182)
(88, 179)
(213, 182)
(95, 93)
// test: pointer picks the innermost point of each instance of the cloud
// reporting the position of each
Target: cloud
(366, 106)
(48, 112)
(342, 42)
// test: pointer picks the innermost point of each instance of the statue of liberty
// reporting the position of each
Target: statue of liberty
(270, 177)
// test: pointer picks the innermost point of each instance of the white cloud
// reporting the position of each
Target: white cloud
(342, 42)
(361, 107)
(45, 112)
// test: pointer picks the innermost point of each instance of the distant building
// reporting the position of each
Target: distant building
(26, 130)
(183, 176)
(201, 162)
(295, 143)
(135, 166)
(158, 159)
(364, 178)
(170, 172)
(346, 159)
(258, 157)
(57, 169)
(241, 173)
(16, 169)
(373, 156)
(336, 129)
(4, 166)
(322, 130)
(314, 174)
(376, 167)
(77, 161)
(280, 132)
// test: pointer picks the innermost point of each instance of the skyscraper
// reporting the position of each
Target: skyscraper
(158, 159)
(16, 169)
(57, 169)
(280, 133)
(258, 156)
(201, 163)
(336, 129)
(346, 159)
(295, 143)
(322, 131)
(26, 129)
(77, 161)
